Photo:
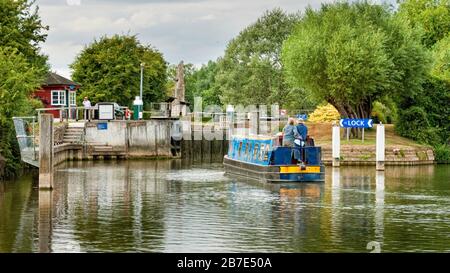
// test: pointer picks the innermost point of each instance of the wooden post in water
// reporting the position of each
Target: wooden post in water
(380, 147)
(45, 220)
(336, 145)
(46, 151)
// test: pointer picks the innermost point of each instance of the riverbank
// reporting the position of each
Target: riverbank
(399, 150)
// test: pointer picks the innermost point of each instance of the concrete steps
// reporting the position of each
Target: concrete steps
(74, 133)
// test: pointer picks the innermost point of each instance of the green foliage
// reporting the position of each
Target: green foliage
(22, 70)
(204, 85)
(442, 153)
(441, 58)
(198, 82)
(251, 71)
(427, 119)
(18, 79)
(432, 16)
(21, 28)
(352, 54)
(109, 71)
(384, 112)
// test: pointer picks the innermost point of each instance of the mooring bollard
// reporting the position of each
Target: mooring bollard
(336, 145)
(46, 151)
(380, 147)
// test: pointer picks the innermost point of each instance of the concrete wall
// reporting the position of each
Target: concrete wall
(65, 152)
(115, 135)
(150, 138)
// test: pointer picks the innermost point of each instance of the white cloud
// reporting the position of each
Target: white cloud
(194, 30)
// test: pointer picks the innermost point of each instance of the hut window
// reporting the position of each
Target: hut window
(58, 97)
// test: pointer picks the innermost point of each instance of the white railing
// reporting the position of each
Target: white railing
(78, 113)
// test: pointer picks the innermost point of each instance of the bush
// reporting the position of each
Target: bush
(326, 113)
(442, 153)
(383, 112)
(413, 123)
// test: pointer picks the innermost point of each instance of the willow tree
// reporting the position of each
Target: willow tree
(431, 16)
(352, 54)
(251, 71)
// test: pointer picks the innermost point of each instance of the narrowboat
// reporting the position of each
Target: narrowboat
(264, 159)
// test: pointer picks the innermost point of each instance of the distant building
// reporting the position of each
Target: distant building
(57, 92)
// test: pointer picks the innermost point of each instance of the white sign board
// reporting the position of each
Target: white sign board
(106, 111)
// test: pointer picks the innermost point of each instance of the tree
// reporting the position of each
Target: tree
(22, 28)
(109, 71)
(352, 54)
(18, 79)
(199, 82)
(432, 16)
(427, 120)
(203, 84)
(441, 59)
(22, 70)
(251, 71)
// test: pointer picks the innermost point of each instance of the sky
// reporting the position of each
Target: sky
(193, 31)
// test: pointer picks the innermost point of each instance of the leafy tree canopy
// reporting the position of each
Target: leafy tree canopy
(109, 71)
(18, 79)
(352, 54)
(22, 28)
(441, 58)
(251, 71)
(432, 16)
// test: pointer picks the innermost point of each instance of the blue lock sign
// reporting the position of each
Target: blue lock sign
(356, 123)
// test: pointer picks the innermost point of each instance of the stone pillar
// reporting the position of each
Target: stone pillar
(46, 151)
(336, 145)
(380, 147)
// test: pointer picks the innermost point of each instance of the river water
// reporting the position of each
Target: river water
(168, 206)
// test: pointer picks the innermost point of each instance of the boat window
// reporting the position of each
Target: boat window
(261, 155)
(255, 152)
(266, 154)
(246, 149)
(240, 148)
(249, 155)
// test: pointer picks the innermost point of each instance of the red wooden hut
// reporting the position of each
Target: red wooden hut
(57, 92)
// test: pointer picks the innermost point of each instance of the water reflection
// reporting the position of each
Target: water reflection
(171, 206)
(335, 204)
(45, 221)
(379, 207)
